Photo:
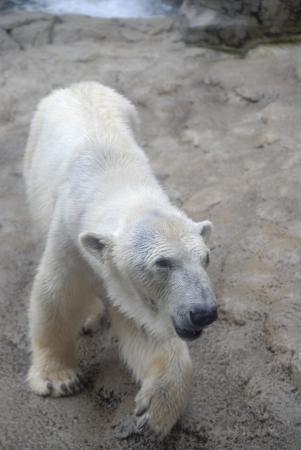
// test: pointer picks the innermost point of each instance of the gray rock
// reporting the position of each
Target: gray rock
(7, 42)
(239, 23)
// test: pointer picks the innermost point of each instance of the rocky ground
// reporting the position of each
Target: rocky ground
(224, 137)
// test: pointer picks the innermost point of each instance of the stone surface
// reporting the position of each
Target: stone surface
(6, 42)
(223, 136)
(239, 23)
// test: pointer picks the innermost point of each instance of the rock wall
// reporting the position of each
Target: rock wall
(240, 23)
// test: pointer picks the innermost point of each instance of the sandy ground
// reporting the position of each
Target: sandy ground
(224, 137)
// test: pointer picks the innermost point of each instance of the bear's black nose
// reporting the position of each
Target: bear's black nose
(201, 316)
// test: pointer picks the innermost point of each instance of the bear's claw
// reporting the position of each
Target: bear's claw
(140, 411)
(59, 384)
(142, 422)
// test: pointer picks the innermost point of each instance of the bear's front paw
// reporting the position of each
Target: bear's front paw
(159, 406)
(54, 383)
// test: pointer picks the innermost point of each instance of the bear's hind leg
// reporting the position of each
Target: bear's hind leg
(59, 301)
(95, 312)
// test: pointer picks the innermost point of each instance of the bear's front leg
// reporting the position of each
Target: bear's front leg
(164, 370)
(165, 389)
(58, 307)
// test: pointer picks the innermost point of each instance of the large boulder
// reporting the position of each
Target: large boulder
(240, 23)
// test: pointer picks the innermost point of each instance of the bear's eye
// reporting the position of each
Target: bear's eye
(163, 263)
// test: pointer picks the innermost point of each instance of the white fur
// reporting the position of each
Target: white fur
(88, 184)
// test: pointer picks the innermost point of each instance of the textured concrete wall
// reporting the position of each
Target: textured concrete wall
(240, 23)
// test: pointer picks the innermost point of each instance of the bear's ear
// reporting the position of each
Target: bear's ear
(95, 244)
(205, 228)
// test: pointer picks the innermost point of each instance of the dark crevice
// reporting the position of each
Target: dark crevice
(56, 20)
(8, 32)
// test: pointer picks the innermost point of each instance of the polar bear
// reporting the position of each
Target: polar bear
(106, 221)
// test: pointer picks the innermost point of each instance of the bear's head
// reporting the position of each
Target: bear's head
(155, 272)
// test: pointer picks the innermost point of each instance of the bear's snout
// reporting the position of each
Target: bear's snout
(200, 315)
